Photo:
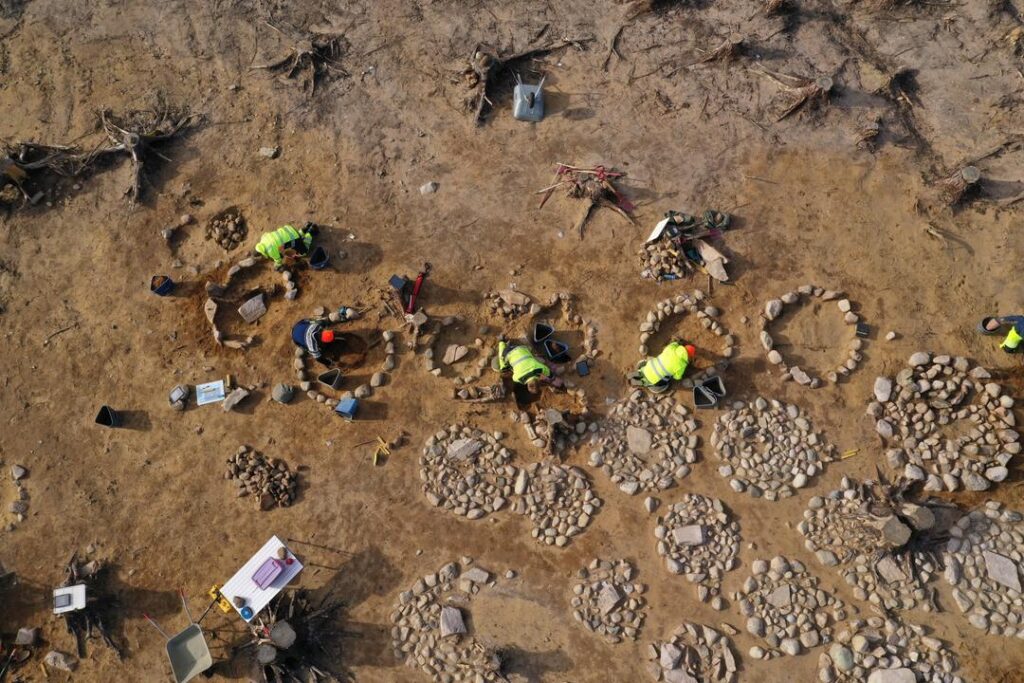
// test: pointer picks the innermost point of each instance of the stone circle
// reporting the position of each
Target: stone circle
(768, 449)
(931, 395)
(836, 531)
(307, 376)
(608, 601)
(560, 501)
(467, 472)
(695, 652)
(983, 561)
(270, 481)
(784, 607)
(697, 539)
(647, 442)
(886, 651)
(429, 629)
(708, 315)
(800, 296)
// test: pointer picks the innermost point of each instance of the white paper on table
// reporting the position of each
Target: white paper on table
(211, 392)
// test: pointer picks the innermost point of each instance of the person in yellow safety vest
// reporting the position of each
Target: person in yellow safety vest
(525, 367)
(286, 242)
(1011, 344)
(657, 373)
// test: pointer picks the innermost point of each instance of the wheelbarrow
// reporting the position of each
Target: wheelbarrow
(187, 650)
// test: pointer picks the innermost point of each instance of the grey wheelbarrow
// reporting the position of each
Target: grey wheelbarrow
(187, 650)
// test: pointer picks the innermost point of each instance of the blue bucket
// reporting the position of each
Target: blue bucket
(161, 285)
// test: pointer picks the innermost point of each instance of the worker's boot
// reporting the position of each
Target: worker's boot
(660, 387)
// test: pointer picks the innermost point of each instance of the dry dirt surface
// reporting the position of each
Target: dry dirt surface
(378, 109)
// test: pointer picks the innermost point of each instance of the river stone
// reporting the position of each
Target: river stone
(841, 656)
(918, 359)
(772, 309)
(282, 393)
(883, 389)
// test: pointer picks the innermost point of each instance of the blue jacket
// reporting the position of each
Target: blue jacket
(304, 334)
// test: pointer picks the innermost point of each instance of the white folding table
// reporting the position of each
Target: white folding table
(242, 585)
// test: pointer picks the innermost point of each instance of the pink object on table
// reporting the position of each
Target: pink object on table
(267, 572)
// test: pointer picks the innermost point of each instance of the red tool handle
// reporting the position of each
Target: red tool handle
(415, 292)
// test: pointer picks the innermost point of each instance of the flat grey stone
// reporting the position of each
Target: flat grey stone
(883, 389)
(692, 534)
(890, 570)
(901, 675)
(780, 597)
(1002, 570)
(18, 472)
(841, 656)
(451, 622)
(234, 398)
(670, 654)
(477, 575)
(253, 309)
(639, 440)
(26, 636)
(608, 598)
(463, 449)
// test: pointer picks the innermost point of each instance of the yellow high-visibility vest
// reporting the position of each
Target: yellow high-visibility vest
(271, 243)
(523, 363)
(671, 363)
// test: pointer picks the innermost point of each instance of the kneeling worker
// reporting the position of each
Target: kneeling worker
(657, 373)
(286, 243)
(525, 367)
(312, 336)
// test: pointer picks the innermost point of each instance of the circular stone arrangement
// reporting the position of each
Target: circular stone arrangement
(773, 309)
(698, 652)
(452, 357)
(936, 391)
(681, 305)
(886, 650)
(312, 387)
(768, 449)
(466, 471)
(983, 563)
(647, 443)
(559, 500)
(429, 631)
(608, 602)
(697, 539)
(785, 607)
(837, 531)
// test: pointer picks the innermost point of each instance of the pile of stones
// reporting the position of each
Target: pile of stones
(880, 650)
(554, 431)
(983, 560)
(660, 260)
(838, 532)
(307, 378)
(773, 309)
(785, 607)
(18, 508)
(647, 443)
(694, 653)
(698, 540)
(708, 316)
(558, 499)
(227, 228)
(926, 397)
(467, 472)
(271, 482)
(768, 449)
(429, 627)
(608, 601)
(511, 304)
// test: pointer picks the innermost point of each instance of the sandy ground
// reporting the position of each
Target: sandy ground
(809, 207)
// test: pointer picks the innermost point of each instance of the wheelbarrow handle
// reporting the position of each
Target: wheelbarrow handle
(156, 626)
(184, 603)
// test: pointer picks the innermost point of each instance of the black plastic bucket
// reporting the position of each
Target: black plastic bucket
(108, 417)
(319, 259)
(556, 351)
(542, 332)
(161, 285)
(715, 386)
(702, 398)
(331, 378)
